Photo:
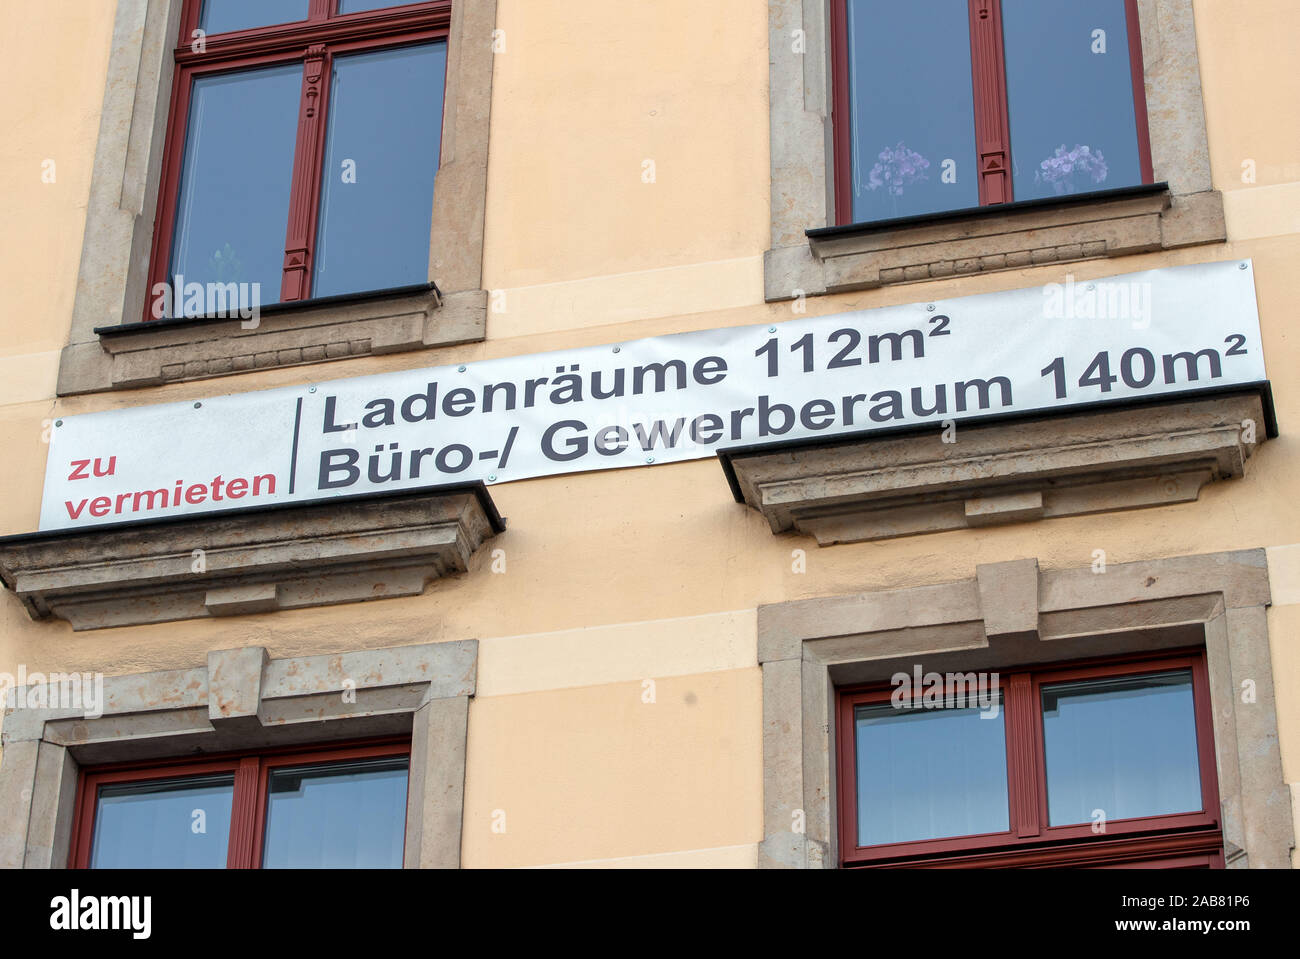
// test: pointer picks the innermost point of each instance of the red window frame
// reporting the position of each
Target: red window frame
(248, 803)
(1188, 840)
(314, 42)
(989, 85)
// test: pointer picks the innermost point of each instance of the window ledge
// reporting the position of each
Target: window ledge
(991, 239)
(856, 490)
(976, 212)
(256, 561)
(170, 351)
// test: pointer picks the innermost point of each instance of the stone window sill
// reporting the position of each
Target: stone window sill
(141, 354)
(991, 239)
(859, 489)
(255, 561)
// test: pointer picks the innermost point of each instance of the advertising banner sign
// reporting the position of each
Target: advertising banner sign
(664, 399)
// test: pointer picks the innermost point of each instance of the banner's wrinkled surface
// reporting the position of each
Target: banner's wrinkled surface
(665, 399)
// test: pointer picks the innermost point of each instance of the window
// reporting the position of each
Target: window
(954, 104)
(302, 148)
(1206, 613)
(339, 808)
(1050, 767)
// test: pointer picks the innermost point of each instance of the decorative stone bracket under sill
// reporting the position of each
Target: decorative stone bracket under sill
(255, 561)
(1100, 460)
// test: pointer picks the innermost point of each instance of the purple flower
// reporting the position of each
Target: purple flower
(898, 167)
(1065, 169)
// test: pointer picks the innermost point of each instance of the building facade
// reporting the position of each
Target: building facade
(811, 586)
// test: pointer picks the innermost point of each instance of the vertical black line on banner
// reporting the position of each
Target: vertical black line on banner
(293, 455)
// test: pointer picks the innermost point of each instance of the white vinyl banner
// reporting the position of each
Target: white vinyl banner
(665, 399)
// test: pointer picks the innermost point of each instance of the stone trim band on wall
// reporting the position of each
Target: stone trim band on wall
(112, 281)
(1014, 614)
(323, 553)
(1189, 212)
(1086, 461)
(243, 700)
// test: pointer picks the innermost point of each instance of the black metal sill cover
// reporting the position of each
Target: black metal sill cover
(177, 322)
(1074, 199)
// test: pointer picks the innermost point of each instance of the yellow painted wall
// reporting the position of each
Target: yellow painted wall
(616, 578)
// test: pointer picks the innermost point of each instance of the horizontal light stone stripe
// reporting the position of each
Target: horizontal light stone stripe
(625, 297)
(604, 772)
(28, 377)
(616, 653)
(721, 857)
(1284, 574)
(1260, 211)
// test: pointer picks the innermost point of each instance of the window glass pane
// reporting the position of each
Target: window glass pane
(233, 207)
(223, 16)
(352, 6)
(1126, 747)
(380, 161)
(912, 112)
(175, 824)
(930, 773)
(341, 815)
(1070, 97)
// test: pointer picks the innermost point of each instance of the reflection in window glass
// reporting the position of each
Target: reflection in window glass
(352, 6)
(233, 210)
(223, 16)
(911, 108)
(175, 824)
(1070, 97)
(1125, 746)
(929, 773)
(341, 815)
(380, 163)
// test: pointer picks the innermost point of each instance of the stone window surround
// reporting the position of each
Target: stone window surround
(243, 700)
(1014, 614)
(810, 255)
(113, 274)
